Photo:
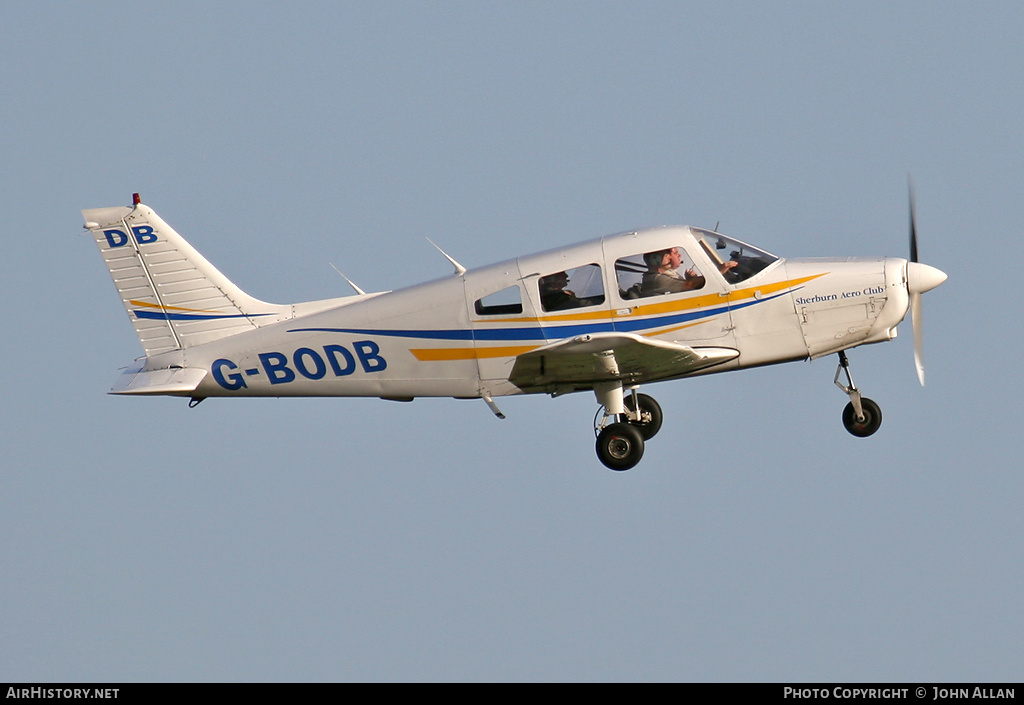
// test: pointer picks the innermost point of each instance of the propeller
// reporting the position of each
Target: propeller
(920, 278)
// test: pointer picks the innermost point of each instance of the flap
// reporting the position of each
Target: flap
(606, 357)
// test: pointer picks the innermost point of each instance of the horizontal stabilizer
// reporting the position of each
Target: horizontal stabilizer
(178, 380)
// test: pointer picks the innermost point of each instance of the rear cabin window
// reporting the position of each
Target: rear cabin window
(571, 288)
(506, 302)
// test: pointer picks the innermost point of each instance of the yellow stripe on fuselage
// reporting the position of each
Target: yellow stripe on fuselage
(143, 304)
(741, 294)
(447, 354)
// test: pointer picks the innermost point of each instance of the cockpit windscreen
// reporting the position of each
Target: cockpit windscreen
(737, 261)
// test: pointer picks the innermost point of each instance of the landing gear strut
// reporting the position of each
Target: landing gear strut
(625, 423)
(861, 417)
(648, 421)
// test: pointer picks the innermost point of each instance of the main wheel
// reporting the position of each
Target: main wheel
(650, 415)
(872, 418)
(620, 446)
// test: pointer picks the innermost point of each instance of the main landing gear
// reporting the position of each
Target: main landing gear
(861, 417)
(626, 423)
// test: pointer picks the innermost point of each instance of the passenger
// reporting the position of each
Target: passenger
(553, 294)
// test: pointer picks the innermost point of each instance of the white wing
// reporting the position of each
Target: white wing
(605, 357)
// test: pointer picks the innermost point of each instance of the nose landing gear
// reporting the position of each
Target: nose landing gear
(862, 416)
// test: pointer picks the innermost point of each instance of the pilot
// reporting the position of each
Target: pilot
(553, 294)
(663, 277)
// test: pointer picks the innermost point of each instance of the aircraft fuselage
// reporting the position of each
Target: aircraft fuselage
(436, 339)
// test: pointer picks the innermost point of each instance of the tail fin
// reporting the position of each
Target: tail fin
(174, 297)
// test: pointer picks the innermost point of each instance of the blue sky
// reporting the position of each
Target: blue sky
(349, 539)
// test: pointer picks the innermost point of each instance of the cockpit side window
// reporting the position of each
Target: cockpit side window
(665, 271)
(571, 288)
(501, 303)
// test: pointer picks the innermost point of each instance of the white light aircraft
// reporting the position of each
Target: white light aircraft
(604, 316)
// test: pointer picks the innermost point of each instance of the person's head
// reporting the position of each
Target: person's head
(554, 282)
(655, 260)
(674, 257)
(660, 260)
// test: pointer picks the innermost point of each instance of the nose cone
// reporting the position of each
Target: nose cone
(923, 277)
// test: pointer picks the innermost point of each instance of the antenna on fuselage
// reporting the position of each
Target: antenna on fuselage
(350, 282)
(459, 269)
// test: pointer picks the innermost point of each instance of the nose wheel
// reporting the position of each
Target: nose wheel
(867, 423)
(861, 417)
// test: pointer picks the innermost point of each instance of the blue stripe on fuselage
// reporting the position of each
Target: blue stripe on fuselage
(168, 316)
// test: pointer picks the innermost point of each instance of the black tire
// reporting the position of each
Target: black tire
(872, 418)
(648, 429)
(620, 446)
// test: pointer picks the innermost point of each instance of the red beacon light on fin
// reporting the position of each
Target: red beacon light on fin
(136, 199)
